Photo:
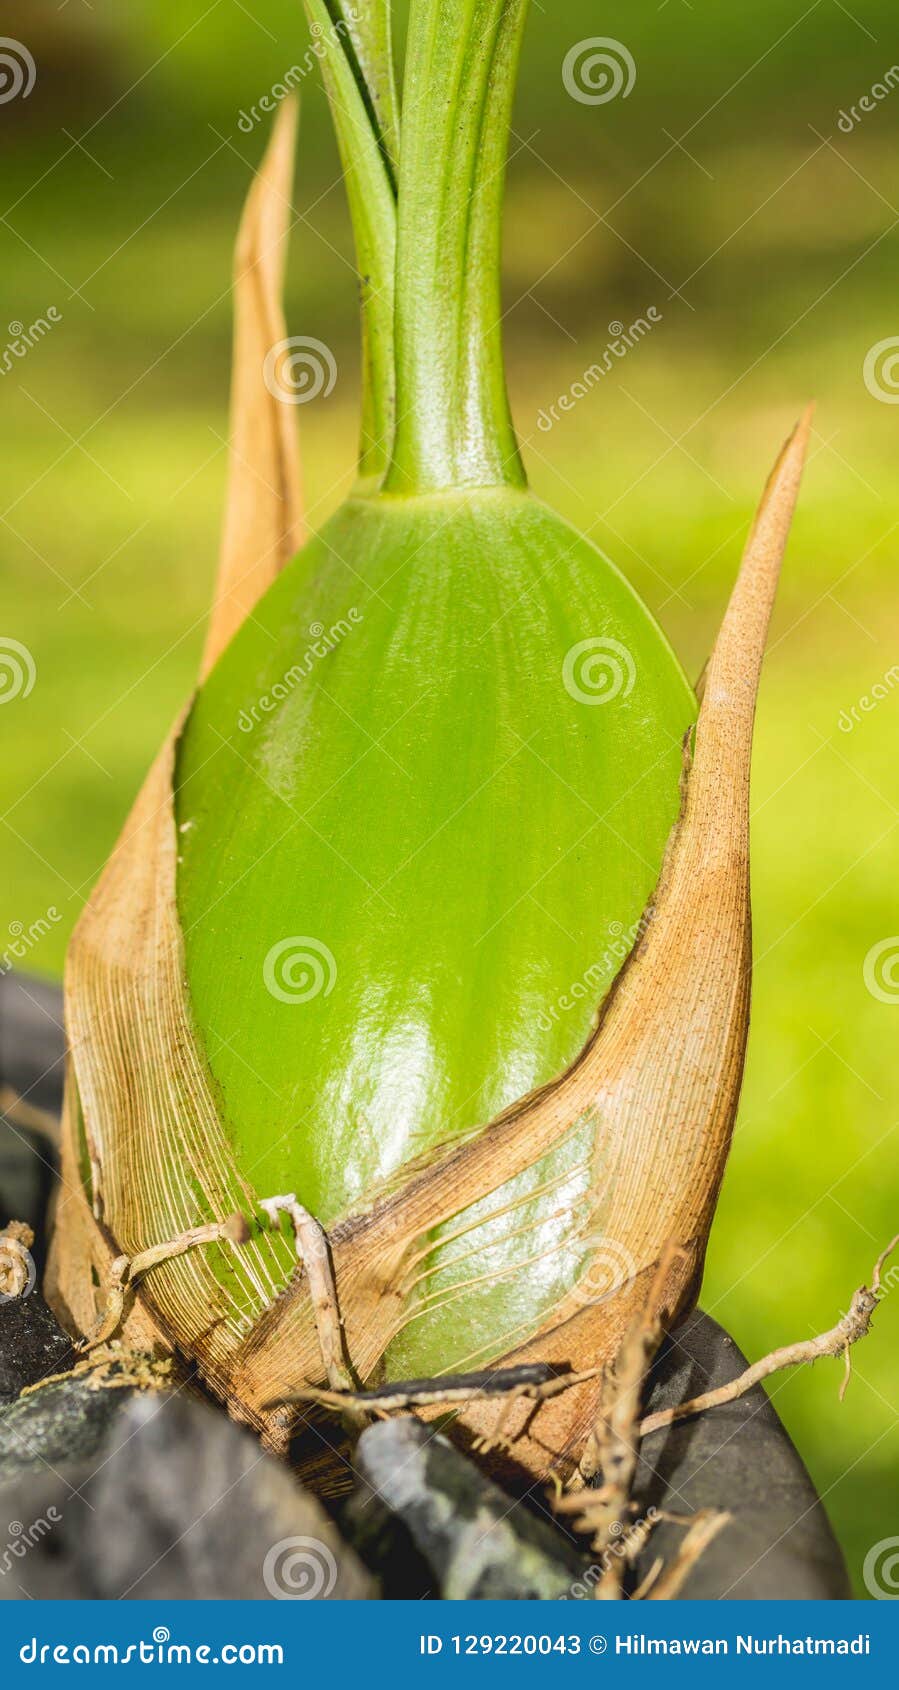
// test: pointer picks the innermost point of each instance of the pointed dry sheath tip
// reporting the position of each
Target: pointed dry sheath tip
(263, 524)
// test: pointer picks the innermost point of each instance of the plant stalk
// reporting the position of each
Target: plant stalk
(454, 427)
(357, 65)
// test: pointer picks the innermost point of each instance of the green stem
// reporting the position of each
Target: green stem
(356, 53)
(454, 427)
(369, 28)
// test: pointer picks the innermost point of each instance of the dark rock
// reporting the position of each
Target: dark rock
(779, 1543)
(427, 1511)
(180, 1503)
(189, 1505)
(65, 1421)
(32, 1346)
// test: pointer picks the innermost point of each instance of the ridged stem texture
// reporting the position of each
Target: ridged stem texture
(454, 427)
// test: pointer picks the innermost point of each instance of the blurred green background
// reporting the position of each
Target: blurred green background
(724, 192)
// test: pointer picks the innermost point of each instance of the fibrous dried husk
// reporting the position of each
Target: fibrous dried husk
(658, 1082)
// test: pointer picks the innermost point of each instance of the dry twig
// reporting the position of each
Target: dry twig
(535, 1382)
(850, 1328)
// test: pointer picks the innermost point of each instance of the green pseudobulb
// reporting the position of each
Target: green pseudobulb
(423, 800)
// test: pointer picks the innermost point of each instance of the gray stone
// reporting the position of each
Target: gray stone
(179, 1503)
(65, 1421)
(187, 1504)
(426, 1512)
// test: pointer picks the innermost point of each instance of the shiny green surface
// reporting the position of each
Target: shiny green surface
(468, 838)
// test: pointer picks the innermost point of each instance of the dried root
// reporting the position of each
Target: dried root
(112, 1367)
(16, 1265)
(125, 1271)
(313, 1251)
(849, 1329)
